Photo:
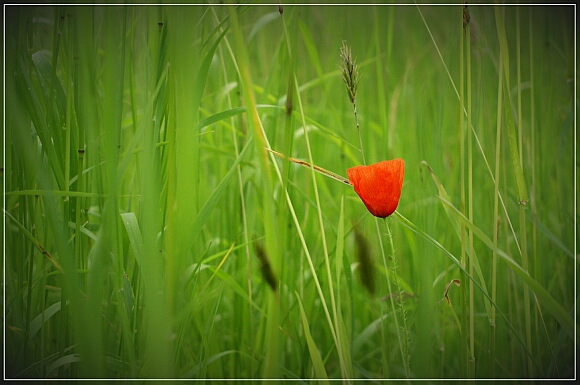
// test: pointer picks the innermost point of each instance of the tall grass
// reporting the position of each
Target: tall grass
(150, 234)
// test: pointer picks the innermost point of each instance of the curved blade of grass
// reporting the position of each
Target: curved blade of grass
(511, 129)
(51, 88)
(456, 225)
(65, 360)
(316, 168)
(262, 21)
(134, 234)
(305, 249)
(217, 193)
(552, 306)
(32, 104)
(551, 236)
(227, 278)
(186, 83)
(195, 371)
(341, 329)
(222, 115)
(272, 341)
(545, 298)
(201, 77)
(367, 333)
(301, 238)
(59, 193)
(516, 158)
(43, 317)
(411, 226)
(132, 225)
(311, 48)
(339, 246)
(33, 239)
(343, 364)
(475, 134)
(314, 353)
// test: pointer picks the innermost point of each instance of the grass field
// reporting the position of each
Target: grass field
(148, 232)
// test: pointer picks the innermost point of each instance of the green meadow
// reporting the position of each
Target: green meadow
(150, 233)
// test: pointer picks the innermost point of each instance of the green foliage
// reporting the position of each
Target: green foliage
(137, 183)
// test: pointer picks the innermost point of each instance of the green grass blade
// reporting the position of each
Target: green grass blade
(552, 306)
(342, 334)
(212, 201)
(457, 226)
(272, 344)
(135, 239)
(314, 353)
(411, 226)
(511, 129)
(43, 318)
(30, 101)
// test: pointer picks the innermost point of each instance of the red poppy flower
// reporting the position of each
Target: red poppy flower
(379, 185)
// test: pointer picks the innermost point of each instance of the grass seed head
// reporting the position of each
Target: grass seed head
(349, 70)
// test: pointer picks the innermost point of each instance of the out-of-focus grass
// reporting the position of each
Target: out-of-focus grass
(136, 186)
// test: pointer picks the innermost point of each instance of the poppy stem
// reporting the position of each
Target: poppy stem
(359, 136)
(316, 168)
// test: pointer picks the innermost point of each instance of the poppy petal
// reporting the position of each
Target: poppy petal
(379, 185)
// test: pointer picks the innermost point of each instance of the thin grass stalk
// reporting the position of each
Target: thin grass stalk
(463, 288)
(156, 353)
(87, 120)
(519, 85)
(272, 346)
(381, 67)
(471, 368)
(307, 253)
(302, 239)
(30, 262)
(64, 316)
(519, 176)
(55, 236)
(287, 138)
(344, 366)
(403, 340)
(523, 232)
(42, 331)
(525, 266)
(475, 135)
(108, 238)
(249, 330)
(246, 233)
(496, 222)
(351, 78)
(382, 101)
(81, 148)
(536, 265)
(305, 248)
(69, 105)
(127, 340)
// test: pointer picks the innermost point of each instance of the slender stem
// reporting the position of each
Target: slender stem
(359, 135)
(247, 330)
(334, 326)
(404, 345)
(525, 259)
(496, 219)
(464, 326)
(470, 202)
(321, 170)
